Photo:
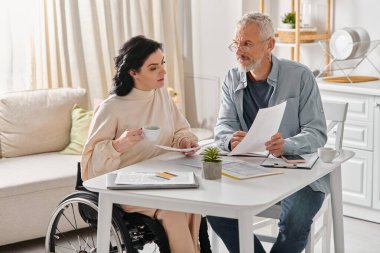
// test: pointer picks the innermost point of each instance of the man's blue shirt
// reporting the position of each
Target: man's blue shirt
(303, 125)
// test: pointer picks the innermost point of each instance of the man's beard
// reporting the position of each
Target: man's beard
(250, 67)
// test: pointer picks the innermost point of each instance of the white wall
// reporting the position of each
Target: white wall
(365, 13)
(207, 30)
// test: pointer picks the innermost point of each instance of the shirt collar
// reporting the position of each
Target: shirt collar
(273, 75)
(242, 80)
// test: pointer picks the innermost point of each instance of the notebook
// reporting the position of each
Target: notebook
(274, 162)
(126, 180)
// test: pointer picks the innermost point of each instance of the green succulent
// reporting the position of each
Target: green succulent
(211, 154)
(289, 18)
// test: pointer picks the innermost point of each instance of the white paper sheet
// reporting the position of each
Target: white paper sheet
(245, 170)
(226, 153)
(177, 149)
(266, 124)
(149, 178)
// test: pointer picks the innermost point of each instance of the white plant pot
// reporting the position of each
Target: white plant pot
(286, 26)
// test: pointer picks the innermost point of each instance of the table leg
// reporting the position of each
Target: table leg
(337, 209)
(245, 231)
(214, 241)
(104, 223)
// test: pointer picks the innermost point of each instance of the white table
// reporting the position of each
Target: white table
(239, 199)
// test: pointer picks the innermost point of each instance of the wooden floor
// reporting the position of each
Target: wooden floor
(360, 236)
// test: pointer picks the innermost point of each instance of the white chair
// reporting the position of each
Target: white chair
(335, 114)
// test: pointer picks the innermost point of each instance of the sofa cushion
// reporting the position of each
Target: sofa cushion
(80, 124)
(35, 173)
(37, 121)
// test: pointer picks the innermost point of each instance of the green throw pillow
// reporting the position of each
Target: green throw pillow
(80, 123)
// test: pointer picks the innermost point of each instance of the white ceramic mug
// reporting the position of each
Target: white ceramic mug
(151, 132)
(327, 155)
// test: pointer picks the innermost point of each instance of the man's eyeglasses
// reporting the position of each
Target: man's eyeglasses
(245, 48)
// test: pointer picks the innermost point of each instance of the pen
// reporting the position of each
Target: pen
(171, 174)
(166, 175)
(162, 177)
(276, 165)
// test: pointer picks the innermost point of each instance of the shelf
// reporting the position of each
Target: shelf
(295, 47)
(281, 44)
(318, 36)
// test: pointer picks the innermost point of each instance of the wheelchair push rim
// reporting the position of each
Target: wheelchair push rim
(82, 237)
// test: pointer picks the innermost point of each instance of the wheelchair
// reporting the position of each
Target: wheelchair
(73, 227)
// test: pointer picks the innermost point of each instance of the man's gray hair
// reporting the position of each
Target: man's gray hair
(262, 20)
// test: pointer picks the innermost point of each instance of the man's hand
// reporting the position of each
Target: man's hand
(188, 143)
(237, 137)
(129, 138)
(275, 145)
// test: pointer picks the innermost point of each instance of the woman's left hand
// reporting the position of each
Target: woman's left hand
(189, 143)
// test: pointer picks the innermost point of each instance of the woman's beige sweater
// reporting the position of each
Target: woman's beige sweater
(115, 114)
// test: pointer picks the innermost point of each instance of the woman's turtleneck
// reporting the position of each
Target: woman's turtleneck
(140, 94)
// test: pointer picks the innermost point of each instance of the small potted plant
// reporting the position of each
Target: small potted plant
(286, 32)
(211, 163)
(289, 20)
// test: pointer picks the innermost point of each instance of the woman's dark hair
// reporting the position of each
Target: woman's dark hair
(131, 56)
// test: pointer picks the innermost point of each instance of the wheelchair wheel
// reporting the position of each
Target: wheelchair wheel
(72, 227)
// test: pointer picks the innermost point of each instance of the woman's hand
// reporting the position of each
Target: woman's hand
(275, 145)
(128, 139)
(189, 143)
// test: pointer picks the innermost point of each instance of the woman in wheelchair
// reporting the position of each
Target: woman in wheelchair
(115, 140)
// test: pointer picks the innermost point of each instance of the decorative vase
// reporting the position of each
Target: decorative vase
(306, 13)
(212, 170)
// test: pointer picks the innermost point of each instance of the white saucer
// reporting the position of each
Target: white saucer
(341, 44)
(364, 42)
(349, 43)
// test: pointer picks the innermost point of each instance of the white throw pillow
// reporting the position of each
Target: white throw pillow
(37, 121)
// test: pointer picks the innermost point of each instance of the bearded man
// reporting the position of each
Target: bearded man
(262, 80)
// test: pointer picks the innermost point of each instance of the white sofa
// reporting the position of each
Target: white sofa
(34, 176)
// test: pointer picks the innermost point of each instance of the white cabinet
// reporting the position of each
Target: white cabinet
(376, 172)
(361, 174)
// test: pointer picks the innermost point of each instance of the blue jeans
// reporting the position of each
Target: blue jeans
(296, 217)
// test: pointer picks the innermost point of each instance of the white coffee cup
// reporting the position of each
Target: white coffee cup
(151, 132)
(327, 155)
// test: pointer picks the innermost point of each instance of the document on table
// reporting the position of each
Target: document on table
(266, 124)
(226, 153)
(151, 180)
(245, 170)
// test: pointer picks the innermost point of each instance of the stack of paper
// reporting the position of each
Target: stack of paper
(245, 170)
(151, 180)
